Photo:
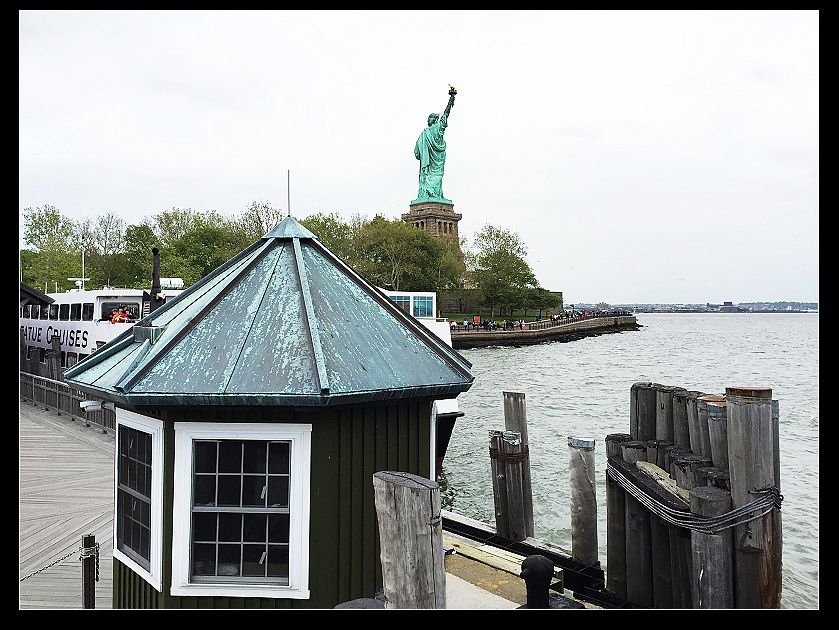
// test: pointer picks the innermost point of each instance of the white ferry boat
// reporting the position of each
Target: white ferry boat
(82, 320)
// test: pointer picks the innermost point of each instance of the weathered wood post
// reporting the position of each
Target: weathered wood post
(664, 412)
(702, 403)
(633, 407)
(89, 561)
(751, 461)
(499, 483)
(645, 402)
(615, 522)
(582, 477)
(513, 456)
(685, 468)
(639, 579)
(718, 433)
(681, 430)
(681, 565)
(515, 419)
(657, 451)
(661, 563)
(411, 537)
(693, 421)
(713, 577)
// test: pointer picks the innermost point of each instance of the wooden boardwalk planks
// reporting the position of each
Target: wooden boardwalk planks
(66, 490)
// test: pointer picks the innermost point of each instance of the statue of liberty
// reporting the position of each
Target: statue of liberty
(430, 150)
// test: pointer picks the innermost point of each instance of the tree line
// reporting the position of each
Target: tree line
(388, 252)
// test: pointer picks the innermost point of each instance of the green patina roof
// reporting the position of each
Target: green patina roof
(284, 322)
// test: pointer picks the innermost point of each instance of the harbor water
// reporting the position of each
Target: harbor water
(581, 388)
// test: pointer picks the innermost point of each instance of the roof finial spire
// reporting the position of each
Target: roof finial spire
(288, 190)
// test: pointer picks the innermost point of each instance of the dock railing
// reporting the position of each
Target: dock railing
(535, 325)
(57, 396)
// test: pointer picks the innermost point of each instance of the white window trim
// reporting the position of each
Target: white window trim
(300, 436)
(155, 428)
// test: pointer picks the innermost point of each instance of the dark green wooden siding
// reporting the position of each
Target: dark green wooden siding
(349, 444)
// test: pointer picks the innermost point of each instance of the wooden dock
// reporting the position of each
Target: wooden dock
(66, 491)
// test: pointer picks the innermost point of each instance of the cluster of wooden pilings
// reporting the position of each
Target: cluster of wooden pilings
(693, 500)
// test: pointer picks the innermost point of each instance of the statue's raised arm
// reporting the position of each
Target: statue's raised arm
(447, 111)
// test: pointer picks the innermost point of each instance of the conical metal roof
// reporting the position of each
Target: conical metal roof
(284, 322)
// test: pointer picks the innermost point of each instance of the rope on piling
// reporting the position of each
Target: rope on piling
(513, 458)
(768, 499)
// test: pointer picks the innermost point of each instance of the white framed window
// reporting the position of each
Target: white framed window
(241, 510)
(138, 495)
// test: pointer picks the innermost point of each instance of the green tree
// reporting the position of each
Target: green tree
(501, 270)
(335, 234)
(397, 256)
(52, 237)
(259, 218)
(137, 245)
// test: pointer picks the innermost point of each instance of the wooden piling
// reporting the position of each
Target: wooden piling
(656, 451)
(646, 411)
(513, 458)
(411, 537)
(670, 457)
(615, 522)
(685, 469)
(89, 562)
(702, 403)
(713, 570)
(718, 434)
(694, 433)
(718, 479)
(515, 419)
(582, 478)
(751, 461)
(499, 483)
(701, 475)
(664, 412)
(681, 566)
(633, 407)
(681, 430)
(639, 587)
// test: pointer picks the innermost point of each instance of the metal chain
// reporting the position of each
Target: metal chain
(52, 564)
(91, 552)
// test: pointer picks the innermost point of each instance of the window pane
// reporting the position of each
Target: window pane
(123, 469)
(64, 311)
(230, 527)
(147, 491)
(45, 312)
(131, 479)
(278, 457)
(141, 446)
(277, 561)
(135, 535)
(254, 457)
(132, 443)
(254, 529)
(229, 557)
(278, 528)
(229, 490)
(204, 526)
(253, 491)
(205, 490)
(145, 517)
(75, 312)
(144, 542)
(87, 311)
(203, 559)
(205, 456)
(230, 457)
(135, 470)
(53, 311)
(253, 560)
(277, 491)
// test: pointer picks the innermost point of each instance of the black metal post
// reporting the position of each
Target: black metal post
(89, 571)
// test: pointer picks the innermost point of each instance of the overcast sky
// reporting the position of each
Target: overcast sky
(642, 156)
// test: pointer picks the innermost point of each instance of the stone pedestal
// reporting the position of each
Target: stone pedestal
(438, 218)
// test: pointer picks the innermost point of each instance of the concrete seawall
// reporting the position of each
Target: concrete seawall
(563, 332)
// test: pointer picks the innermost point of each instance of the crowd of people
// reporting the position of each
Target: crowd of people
(121, 315)
(555, 319)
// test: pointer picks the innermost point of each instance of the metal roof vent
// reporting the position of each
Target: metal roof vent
(151, 333)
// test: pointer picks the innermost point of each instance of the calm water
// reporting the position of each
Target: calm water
(582, 388)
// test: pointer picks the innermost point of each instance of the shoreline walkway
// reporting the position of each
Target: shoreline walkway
(66, 491)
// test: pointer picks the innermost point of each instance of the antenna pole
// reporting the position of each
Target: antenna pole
(288, 190)
(82, 267)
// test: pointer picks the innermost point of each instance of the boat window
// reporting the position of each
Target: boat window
(45, 311)
(72, 359)
(42, 355)
(63, 359)
(87, 311)
(133, 309)
(27, 311)
(63, 312)
(29, 350)
(53, 311)
(75, 312)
